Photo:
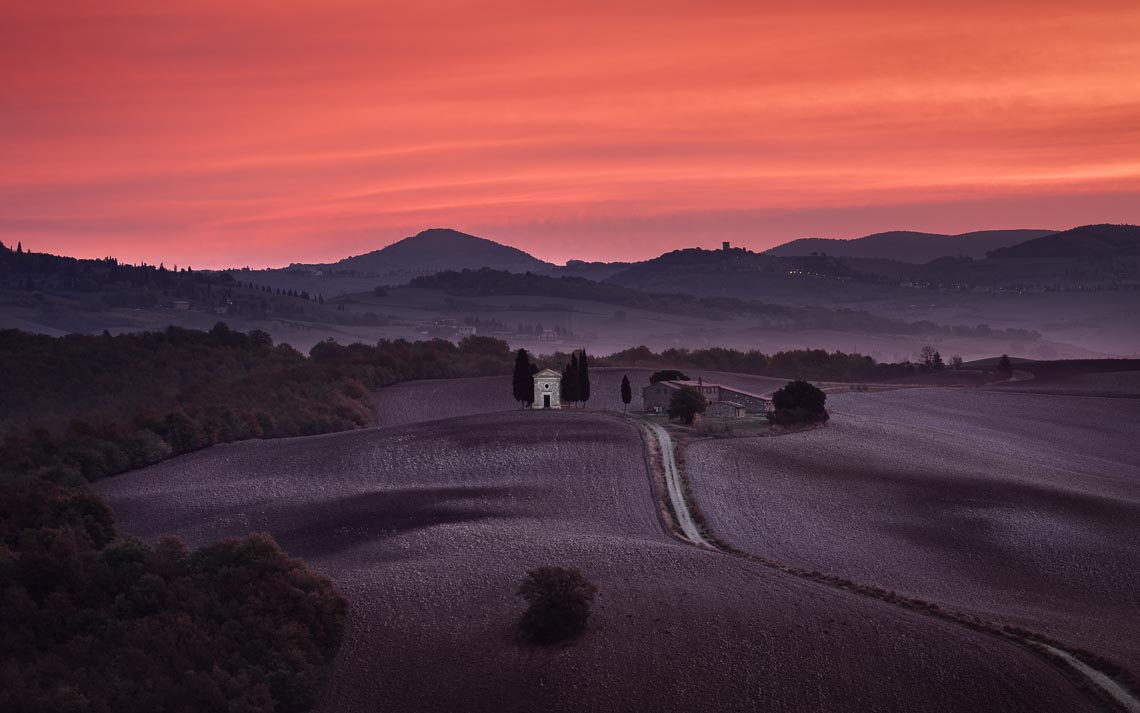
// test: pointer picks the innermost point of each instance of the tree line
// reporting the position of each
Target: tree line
(82, 407)
(817, 364)
(93, 621)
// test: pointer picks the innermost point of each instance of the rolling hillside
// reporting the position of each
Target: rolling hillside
(428, 529)
(1087, 241)
(442, 249)
(909, 246)
(1022, 508)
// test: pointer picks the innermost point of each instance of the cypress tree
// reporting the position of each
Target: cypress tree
(583, 379)
(569, 390)
(626, 392)
(522, 380)
(19, 247)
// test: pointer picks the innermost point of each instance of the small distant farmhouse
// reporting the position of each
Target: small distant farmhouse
(547, 385)
(724, 401)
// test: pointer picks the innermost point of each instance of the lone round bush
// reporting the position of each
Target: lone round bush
(558, 604)
(799, 403)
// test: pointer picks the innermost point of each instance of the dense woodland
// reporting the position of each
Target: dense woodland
(487, 282)
(93, 622)
(108, 282)
(83, 407)
(40, 279)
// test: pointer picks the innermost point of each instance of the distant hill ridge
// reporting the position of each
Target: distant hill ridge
(910, 246)
(440, 249)
(1087, 241)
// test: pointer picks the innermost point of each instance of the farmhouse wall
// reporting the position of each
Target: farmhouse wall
(725, 409)
(656, 396)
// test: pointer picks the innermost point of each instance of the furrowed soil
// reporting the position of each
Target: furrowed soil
(1118, 384)
(1022, 508)
(428, 530)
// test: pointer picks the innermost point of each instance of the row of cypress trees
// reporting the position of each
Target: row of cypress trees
(576, 379)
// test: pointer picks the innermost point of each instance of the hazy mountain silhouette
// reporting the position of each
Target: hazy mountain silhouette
(1087, 241)
(909, 246)
(443, 249)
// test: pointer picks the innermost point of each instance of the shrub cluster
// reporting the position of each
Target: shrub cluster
(801, 363)
(558, 604)
(94, 623)
(667, 375)
(798, 403)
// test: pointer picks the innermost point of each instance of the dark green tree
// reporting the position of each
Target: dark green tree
(583, 378)
(522, 381)
(569, 387)
(927, 355)
(797, 403)
(1004, 365)
(558, 604)
(687, 404)
(626, 392)
(667, 375)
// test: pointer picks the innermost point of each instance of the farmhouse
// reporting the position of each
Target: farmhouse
(723, 400)
(547, 384)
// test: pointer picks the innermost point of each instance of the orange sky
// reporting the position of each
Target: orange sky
(194, 132)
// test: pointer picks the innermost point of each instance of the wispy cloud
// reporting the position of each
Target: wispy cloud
(215, 132)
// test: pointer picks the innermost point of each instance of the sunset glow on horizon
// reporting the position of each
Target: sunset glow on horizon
(225, 134)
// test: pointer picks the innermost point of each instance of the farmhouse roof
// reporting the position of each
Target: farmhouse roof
(742, 392)
(677, 384)
(548, 372)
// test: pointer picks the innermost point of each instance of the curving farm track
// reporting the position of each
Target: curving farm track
(795, 502)
(675, 487)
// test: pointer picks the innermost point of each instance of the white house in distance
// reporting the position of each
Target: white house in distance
(547, 384)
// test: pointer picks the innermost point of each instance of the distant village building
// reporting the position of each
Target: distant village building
(547, 384)
(724, 401)
(465, 330)
(181, 304)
